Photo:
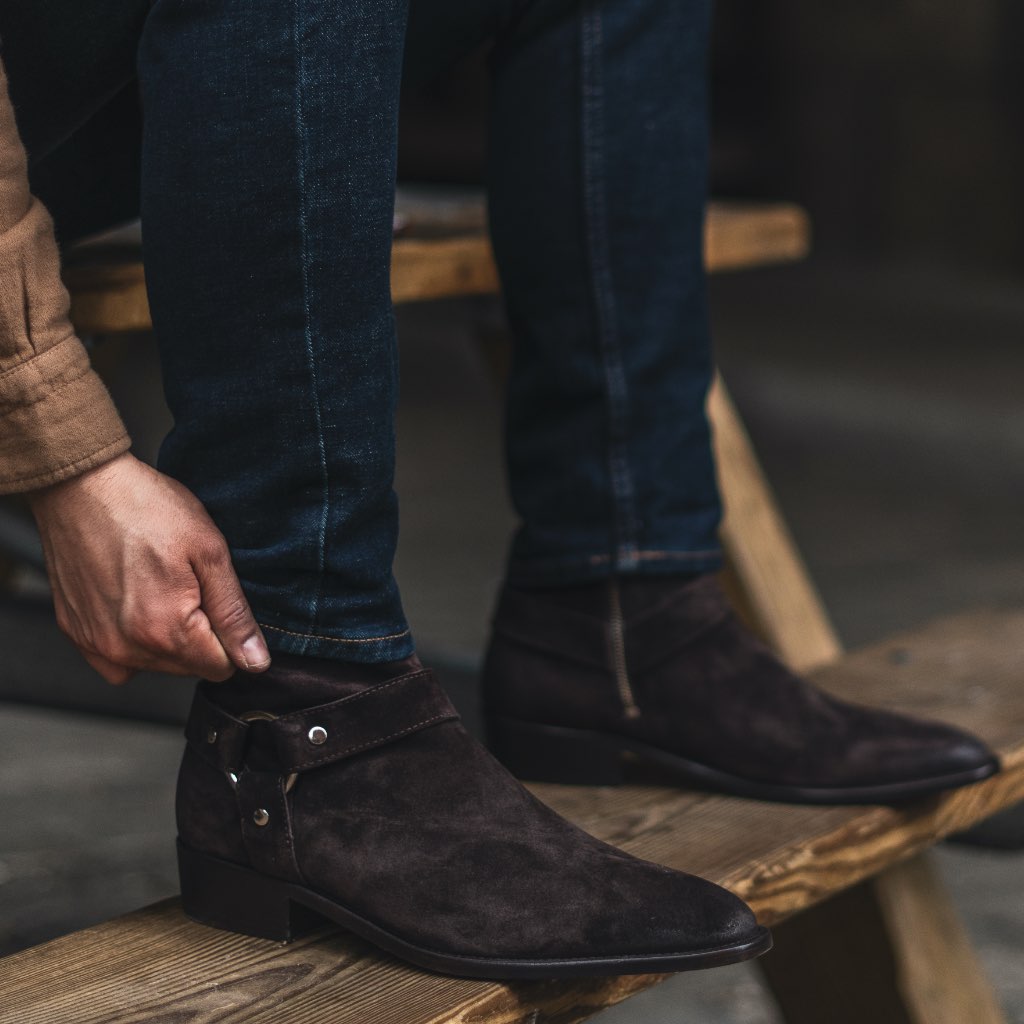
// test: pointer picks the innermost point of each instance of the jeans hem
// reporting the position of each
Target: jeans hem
(587, 568)
(373, 649)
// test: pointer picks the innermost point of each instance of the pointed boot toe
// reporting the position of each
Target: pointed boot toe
(916, 757)
(719, 916)
(658, 915)
(965, 755)
(666, 674)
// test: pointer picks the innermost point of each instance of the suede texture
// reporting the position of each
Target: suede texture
(430, 838)
(434, 838)
(205, 802)
(706, 688)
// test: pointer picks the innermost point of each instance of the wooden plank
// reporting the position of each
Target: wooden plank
(437, 255)
(108, 298)
(158, 967)
(442, 268)
(742, 235)
(154, 965)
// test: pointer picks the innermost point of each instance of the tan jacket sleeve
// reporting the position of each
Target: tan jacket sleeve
(56, 417)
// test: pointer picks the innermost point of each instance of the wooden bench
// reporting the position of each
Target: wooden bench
(441, 250)
(863, 927)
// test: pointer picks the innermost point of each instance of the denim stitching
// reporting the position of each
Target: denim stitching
(336, 639)
(302, 156)
(596, 217)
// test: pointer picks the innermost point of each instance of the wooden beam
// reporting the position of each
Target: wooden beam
(442, 268)
(444, 251)
(743, 235)
(108, 298)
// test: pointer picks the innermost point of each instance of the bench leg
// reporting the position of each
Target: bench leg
(891, 950)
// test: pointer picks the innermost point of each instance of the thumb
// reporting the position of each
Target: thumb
(230, 617)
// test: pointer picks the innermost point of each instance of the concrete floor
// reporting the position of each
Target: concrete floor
(885, 407)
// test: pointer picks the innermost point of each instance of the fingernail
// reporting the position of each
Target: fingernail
(255, 653)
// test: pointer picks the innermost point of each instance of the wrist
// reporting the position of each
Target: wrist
(92, 479)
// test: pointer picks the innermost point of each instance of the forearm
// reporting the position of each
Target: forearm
(56, 418)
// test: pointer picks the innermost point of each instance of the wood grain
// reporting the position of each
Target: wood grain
(444, 251)
(156, 966)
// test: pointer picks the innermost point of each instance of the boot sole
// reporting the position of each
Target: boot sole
(581, 757)
(224, 895)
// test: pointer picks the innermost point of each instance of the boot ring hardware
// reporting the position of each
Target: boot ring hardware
(262, 716)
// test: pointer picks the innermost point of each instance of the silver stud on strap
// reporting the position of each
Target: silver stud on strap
(211, 735)
(317, 735)
(261, 816)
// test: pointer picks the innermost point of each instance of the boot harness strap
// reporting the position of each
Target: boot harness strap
(321, 735)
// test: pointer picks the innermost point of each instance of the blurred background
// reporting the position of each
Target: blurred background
(880, 380)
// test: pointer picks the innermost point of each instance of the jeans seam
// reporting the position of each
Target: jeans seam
(336, 639)
(595, 211)
(301, 156)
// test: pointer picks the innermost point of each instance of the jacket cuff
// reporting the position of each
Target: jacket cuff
(57, 420)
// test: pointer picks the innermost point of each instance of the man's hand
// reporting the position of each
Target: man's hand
(142, 578)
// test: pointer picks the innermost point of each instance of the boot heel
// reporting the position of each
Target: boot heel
(548, 753)
(224, 895)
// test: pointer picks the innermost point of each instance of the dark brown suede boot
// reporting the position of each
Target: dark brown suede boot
(377, 810)
(663, 671)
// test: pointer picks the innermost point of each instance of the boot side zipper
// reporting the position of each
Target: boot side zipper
(617, 645)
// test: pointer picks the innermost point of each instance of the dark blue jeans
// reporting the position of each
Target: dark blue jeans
(268, 179)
